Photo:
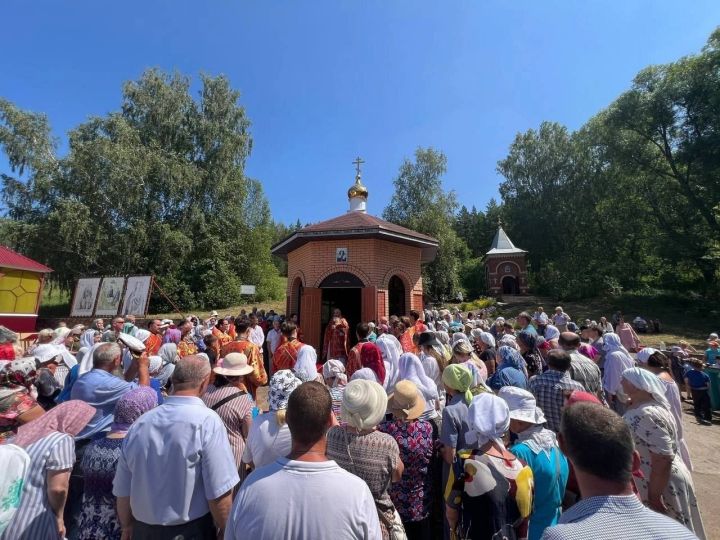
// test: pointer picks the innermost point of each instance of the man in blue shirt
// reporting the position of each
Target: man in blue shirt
(600, 446)
(699, 383)
(102, 389)
(176, 471)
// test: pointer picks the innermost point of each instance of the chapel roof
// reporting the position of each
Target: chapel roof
(502, 245)
(13, 259)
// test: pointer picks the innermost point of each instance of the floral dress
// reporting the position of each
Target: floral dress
(412, 494)
(99, 518)
(654, 432)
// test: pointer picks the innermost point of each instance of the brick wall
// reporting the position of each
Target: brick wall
(372, 260)
(499, 266)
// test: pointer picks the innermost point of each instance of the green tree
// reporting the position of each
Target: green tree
(420, 203)
(156, 187)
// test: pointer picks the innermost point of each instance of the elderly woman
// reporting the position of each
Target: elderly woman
(617, 360)
(528, 346)
(410, 369)
(228, 396)
(434, 357)
(335, 380)
(391, 350)
(490, 490)
(269, 436)
(538, 447)
(412, 495)
(17, 406)
(306, 365)
(98, 518)
(362, 450)
(50, 443)
(484, 343)
(511, 370)
(659, 364)
(463, 354)
(666, 485)
(371, 358)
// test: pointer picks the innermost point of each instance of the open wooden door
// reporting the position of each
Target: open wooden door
(310, 304)
(369, 304)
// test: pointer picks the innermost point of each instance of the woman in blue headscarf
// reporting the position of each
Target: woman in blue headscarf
(511, 370)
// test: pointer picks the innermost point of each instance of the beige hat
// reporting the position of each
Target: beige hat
(233, 365)
(364, 404)
(213, 313)
(406, 402)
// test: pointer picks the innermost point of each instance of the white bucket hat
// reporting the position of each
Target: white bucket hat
(522, 405)
(234, 365)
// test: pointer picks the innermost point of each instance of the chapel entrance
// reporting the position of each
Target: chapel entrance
(343, 291)
(510, 285)
(396, 296)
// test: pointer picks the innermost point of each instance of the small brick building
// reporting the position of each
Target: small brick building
(361, 264)
(505, 267)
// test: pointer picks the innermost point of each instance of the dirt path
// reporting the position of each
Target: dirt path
(704, 442)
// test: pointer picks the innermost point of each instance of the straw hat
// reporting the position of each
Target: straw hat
(234, 365)
(364, 404)
(406, 402)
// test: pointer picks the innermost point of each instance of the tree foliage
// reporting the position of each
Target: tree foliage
(421, 204)
(157, 187)
(630, 200)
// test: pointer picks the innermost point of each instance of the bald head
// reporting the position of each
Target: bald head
(569, 340)
(190, 373)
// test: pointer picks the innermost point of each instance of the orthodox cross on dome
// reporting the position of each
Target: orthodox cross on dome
(358, 161)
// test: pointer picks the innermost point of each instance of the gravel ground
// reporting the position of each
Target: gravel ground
(704, 442)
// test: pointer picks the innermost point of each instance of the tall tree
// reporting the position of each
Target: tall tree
(157, 187)
(420, 203)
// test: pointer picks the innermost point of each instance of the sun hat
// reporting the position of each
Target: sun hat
(406, 402)
(282, 383)
(234, 365)
(213, 313)
(364, 404)
(522, 405)
(132, 343)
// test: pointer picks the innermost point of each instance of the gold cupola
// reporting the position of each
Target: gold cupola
(358, 193)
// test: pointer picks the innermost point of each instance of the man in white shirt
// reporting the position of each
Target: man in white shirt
(256, 336)
(290, 498)
(274, 336)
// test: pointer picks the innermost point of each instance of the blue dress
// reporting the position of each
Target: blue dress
(550, 475)
(99, 518)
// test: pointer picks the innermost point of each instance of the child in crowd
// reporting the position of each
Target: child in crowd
(699, 383)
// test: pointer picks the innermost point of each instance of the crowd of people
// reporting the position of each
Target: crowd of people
(438, 424)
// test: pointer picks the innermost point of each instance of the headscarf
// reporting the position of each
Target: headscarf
(588, 351)
(60, 334)
(644, 354)
(87, 339)
(371, 357)
(364, 404)
(528, 339)
(510, 358)
(65, 393)
(306, 364)
(47, 351)
(160, 370)
(579, 396)
(643, 379)
(391, 350)
(282, 383)
(86, 364)
(69, 417)
(168, 352)
(411, 369)
(459, 336)
(488, 418)
(459, 378)
(443, 337)
(130, 328)
(612, 343)
(551, 332)
(487, 338)
(335, 370)
(510, 372)
(131, 406)
(365, 374)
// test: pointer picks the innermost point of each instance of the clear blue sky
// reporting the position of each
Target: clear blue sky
(324, 81)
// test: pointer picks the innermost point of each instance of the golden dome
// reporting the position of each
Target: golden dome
(357, 189)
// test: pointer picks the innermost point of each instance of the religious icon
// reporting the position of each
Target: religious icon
(136, 295)
(341, 255)
(110, 296)
(86, 291)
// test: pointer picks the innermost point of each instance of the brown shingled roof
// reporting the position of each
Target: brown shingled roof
(358, 225)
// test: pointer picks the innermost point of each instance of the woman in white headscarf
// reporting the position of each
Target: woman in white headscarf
(617, 360)
(666, 485)
(495, 478)
(391, 350)
(306, 365)
(333, 372)
(365, 374)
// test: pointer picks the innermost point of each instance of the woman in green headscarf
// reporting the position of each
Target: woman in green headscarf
(457, 380)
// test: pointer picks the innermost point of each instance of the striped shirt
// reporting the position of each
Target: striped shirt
(236, 414)
(615, 517)
(35, 519)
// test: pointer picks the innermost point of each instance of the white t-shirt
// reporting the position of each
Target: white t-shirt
(257, 336)
(273, 339)
(266, 441)
(304, 501)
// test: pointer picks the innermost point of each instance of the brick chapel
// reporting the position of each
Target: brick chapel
(363, 265)
(505, 267)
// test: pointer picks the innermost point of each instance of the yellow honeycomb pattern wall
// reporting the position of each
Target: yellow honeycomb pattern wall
(19, 291)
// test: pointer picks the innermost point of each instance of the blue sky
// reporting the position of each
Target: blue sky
(324, 81)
